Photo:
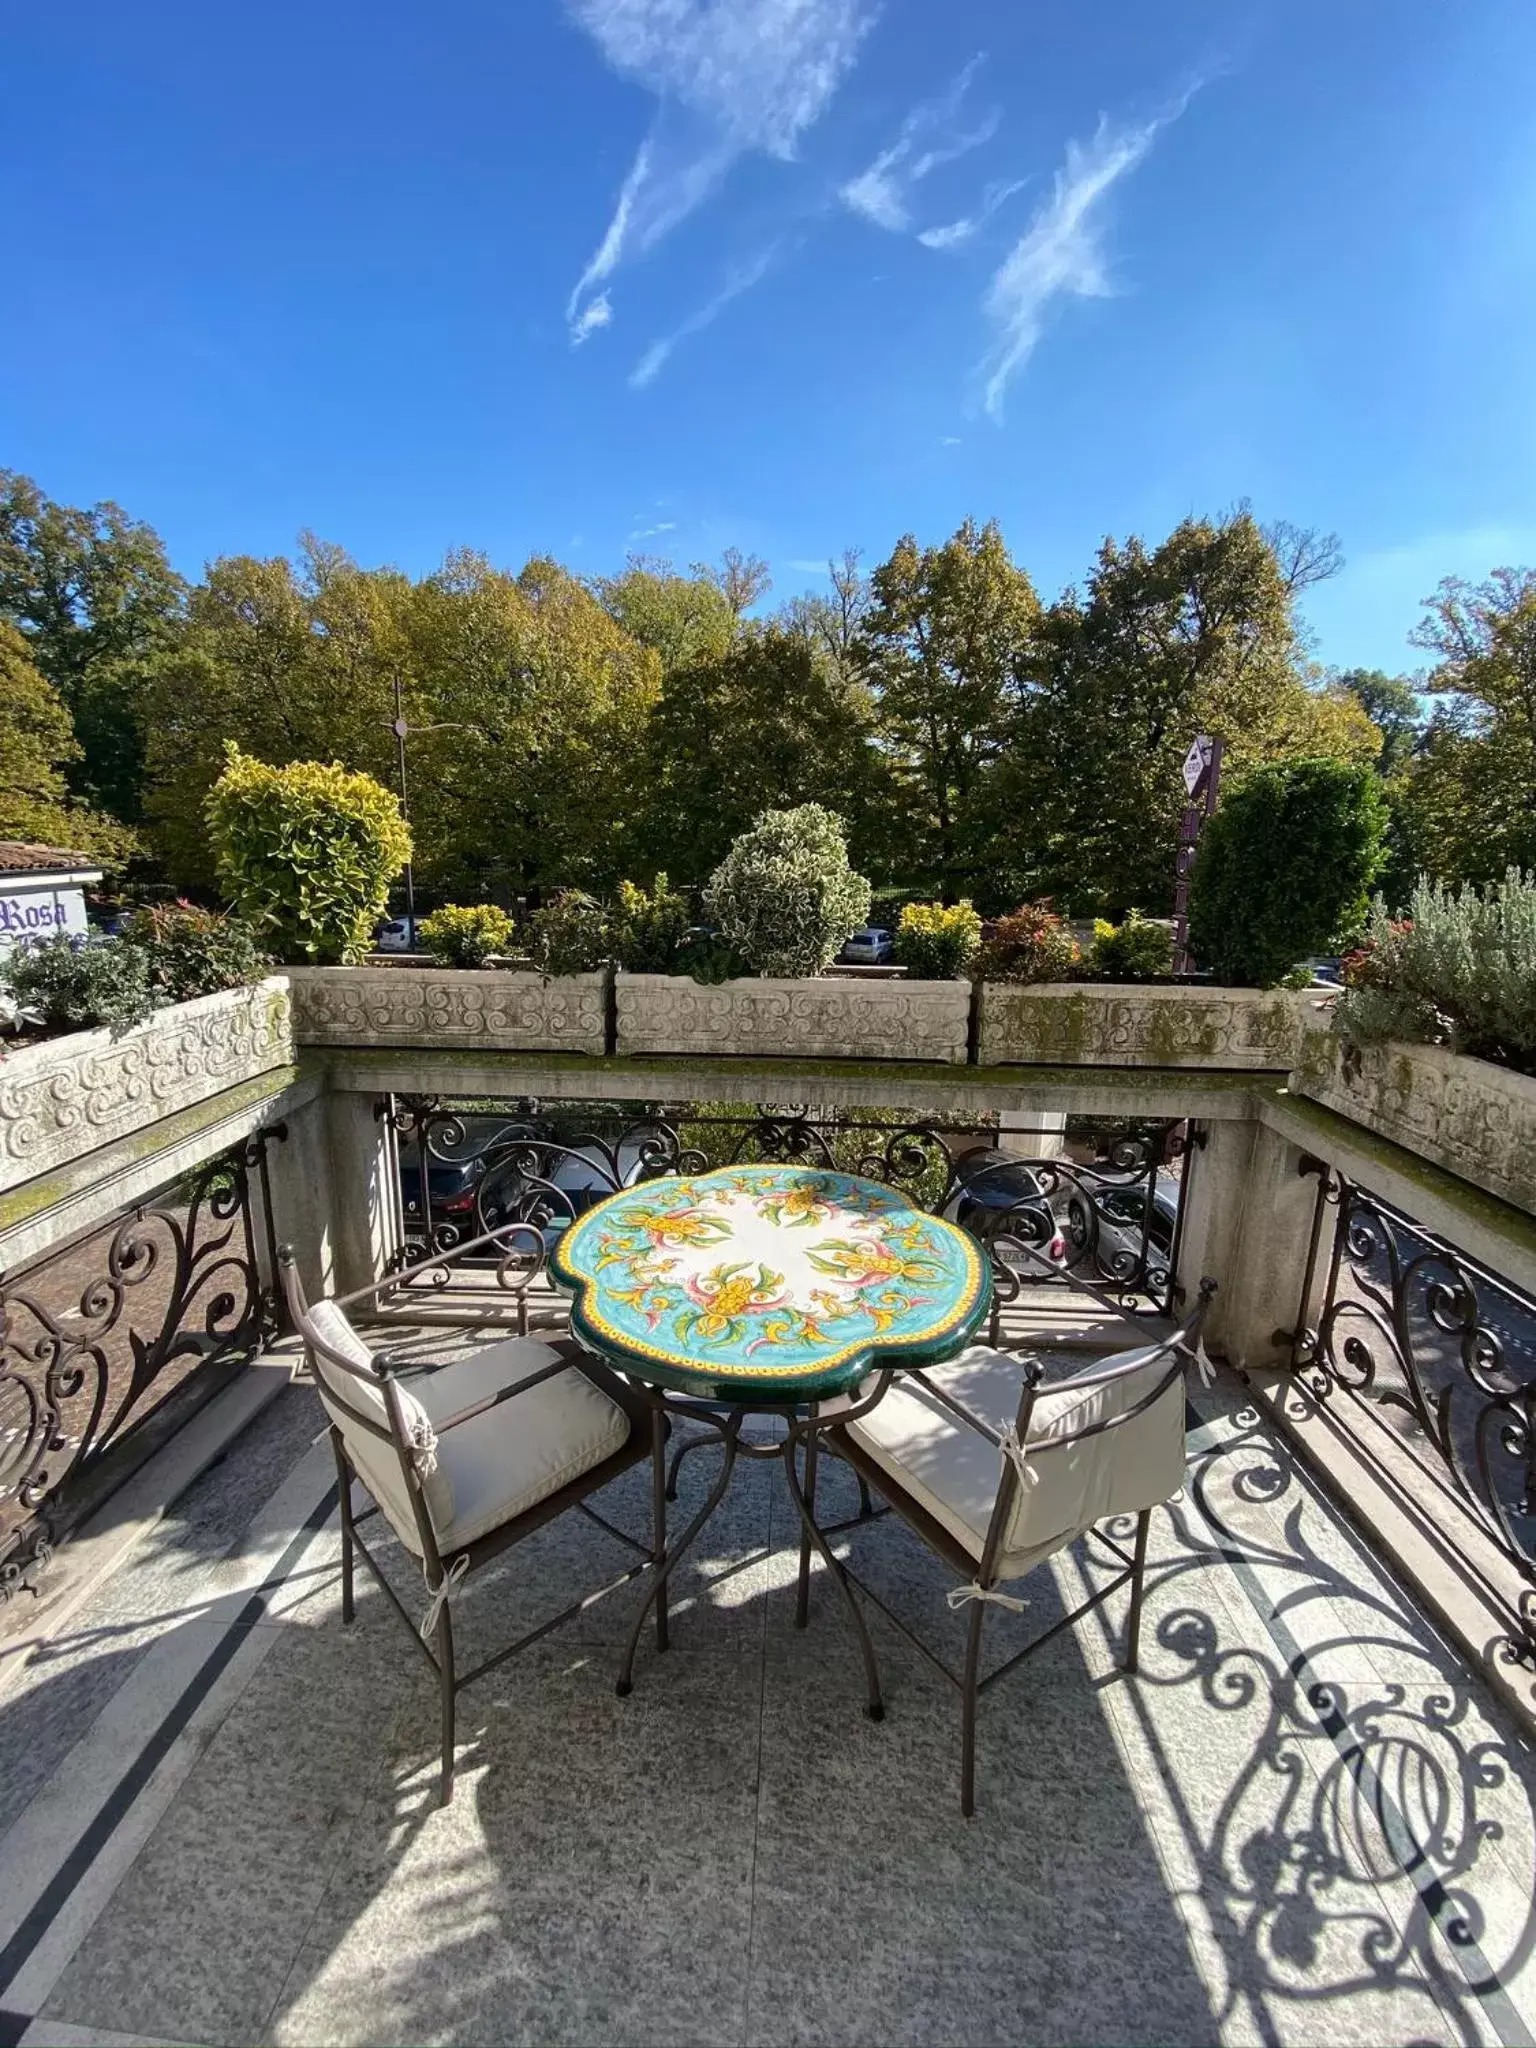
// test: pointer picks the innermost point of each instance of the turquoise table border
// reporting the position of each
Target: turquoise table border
(574, 1265)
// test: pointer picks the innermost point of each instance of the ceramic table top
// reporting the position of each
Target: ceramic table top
(764, 1283)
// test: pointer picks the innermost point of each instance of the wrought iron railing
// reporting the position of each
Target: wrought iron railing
(100, 1334)
(1436, 1356)
(1104, 1215)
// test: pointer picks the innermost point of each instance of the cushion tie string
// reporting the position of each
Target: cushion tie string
(1013, 1450)
(1203, 1365)
(441, 1596)
(959, 1595)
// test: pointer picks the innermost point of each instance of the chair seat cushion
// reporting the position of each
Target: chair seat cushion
(1072, 1481)
(498, 1465)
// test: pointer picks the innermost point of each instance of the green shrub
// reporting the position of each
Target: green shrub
(193, 952)
(938, 942)
(466, 935)
(784, 896)
(708, 959)
(1284, 869)
(306, 854)
(1137, 950)
(1032, 944)
(569, 935)
(77, 984)
(648, 929)
(1459, 970)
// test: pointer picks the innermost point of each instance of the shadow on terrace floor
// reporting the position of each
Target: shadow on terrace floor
(1302, 1823)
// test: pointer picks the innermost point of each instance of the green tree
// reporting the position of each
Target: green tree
(1196, 634)
(37, 745)
(764, 723)
(1395, 706)
(686, 619)
(93, 592)
(939, 645)
(1468, 797)
(1285, 868)
(526, 702)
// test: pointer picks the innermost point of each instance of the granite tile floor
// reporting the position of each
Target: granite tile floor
(1304, 1821)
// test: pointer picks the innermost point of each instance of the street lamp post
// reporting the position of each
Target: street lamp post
(402, 730)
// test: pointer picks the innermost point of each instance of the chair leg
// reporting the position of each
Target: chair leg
(803, 1590)
(968, 1694)
(344, 1496)
(1138, 1575)
(660, 1493)
(447, 1682)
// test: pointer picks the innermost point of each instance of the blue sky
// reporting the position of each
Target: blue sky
(593, 275)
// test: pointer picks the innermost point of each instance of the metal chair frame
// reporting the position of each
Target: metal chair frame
(983, 1573)
(442, 1568)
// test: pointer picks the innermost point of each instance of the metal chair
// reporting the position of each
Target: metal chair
(997, 1473)
(466, 1459)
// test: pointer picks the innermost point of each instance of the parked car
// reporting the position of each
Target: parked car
(872, 947)
(397, 935)
(998, 1194)
(1121, 1221)
(451, 1188)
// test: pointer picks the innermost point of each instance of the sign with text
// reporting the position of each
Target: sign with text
(39, 911)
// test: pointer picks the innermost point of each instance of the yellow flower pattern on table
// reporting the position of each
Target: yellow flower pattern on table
(757, 1271)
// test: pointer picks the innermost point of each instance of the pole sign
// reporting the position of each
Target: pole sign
(1202, 779)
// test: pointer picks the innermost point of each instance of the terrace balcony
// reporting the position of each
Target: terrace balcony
(1310, 1817)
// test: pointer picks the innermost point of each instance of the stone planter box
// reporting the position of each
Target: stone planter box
(1475, 1120)
(1069, 1024)
(818, 1018)
(488, 1009)
(63, 1098)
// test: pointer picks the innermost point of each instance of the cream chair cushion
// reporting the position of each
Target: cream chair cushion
(495, 1466)
(1073, 1481)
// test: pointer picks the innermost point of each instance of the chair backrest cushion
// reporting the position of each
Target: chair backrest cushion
(1074, 1478)
(376, 1459)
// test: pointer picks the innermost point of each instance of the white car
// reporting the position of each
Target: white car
(872, 947)
(397, 936)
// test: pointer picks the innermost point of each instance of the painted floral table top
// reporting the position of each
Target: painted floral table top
(764, 1283)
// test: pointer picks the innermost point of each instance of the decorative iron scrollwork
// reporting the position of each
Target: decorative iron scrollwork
(1411, 1327)
(1105, 1222)
(89, 1335)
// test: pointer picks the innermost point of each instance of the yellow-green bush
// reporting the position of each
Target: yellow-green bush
(306, 854)
(466, 935)
(937, 941)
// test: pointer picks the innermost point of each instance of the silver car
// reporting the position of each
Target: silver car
(872, 947)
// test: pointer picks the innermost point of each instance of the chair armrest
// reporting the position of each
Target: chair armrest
(440, 1262)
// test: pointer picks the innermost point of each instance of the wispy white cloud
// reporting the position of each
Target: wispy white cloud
(957, 232)
(651, 532)
(882, 192)
(739, 280)
(596, 313)
(949, 441)
(1059, 255)
(730, 77)
(803, 565)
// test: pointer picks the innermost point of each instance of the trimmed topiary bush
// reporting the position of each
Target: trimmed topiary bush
(1138, 950)
(193, 952)
(466, 935)
(1458, 970)
(784, 896)
(1284, 869)
(78, 984)
(936, 941)
(1031, 944)
(569, 935)
(649, 928)
(306, 854)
